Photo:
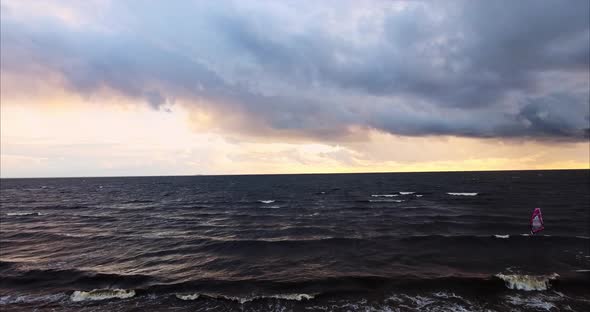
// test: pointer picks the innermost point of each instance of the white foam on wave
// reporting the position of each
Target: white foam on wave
(407, 193)
(534, 302)
(384, 195)
(266, 201)
(101, 294)
(385, 200)
(4, 300)
(462, 194)
(24, 214)
(188, 297)
(527, 282)
(583, 237)
(420, 301)
(501, 236)
(446, 295)
(296, 297)
(418, 195)
(242, 300)
(438, 301)
(582, 271)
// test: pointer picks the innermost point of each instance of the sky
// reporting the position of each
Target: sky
(117, 88)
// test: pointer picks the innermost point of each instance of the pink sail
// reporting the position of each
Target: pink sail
(537, 221)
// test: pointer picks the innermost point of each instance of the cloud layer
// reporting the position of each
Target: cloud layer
(489, 69)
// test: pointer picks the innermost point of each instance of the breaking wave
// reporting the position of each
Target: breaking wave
(101, 294)
(242, 300)
(188, 296)
(407, 193)
(24, 214)
(527, 282)
(384, 195)
(266, 201)
(462, 194)
(501, 236)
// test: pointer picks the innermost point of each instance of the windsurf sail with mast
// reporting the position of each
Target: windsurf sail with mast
(537, 221)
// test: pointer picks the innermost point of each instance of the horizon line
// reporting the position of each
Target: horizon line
(275, 174)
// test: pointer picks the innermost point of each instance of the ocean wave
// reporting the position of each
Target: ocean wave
(462, 194)
(332, 241)
(188, 297)
(501, 236)
(266, 201)
(13, 273)
(138, 201)
(386, 200)
(20, 214)
(540, 302)
(101, 294)
(446, 295)
(418, 195)
(384, 195)
(527, 282)
(242, 300)
(15, 299)
(407, 193)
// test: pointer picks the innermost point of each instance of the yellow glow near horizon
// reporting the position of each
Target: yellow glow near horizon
(105, 139)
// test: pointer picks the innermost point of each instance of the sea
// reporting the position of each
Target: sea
(446, 241)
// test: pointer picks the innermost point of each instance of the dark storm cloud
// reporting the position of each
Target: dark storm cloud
(476, 68)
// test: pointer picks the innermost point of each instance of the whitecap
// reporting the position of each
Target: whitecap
(446, 295)
(501, 236)
(583, 237)
(188, 296)
(407, 193)
(582, 271)
(537, 302)
(23, 214)
(384, 195)
(527, 282)
(101, 294)
(418, 195)
(296, 297)
(266, 201)
(462, 194)
(242, 300)
(385, 200)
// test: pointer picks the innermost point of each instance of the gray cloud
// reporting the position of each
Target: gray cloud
(475, 68)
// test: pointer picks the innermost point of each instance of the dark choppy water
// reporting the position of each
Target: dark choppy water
(297, 242)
